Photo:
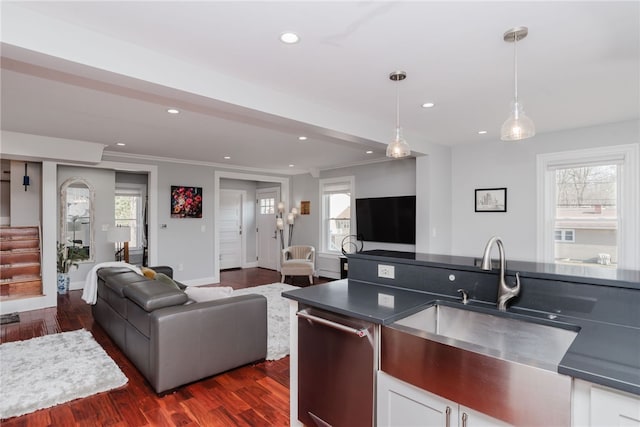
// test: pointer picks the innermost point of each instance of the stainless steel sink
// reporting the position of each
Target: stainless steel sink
(500, 364)
(497, 335)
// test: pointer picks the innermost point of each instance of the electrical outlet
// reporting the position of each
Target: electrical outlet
(385, 300)
(180, 267)
(386, 271)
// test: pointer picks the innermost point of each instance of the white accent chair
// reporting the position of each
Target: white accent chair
(298, 260)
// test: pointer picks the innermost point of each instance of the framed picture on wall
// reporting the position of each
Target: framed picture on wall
(491, 200)
(186, 202)
(305, 207)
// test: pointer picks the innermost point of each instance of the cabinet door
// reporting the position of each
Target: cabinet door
(471, 418)
(403, 405)
(610, 408)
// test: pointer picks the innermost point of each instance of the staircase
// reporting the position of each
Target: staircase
(19, 263)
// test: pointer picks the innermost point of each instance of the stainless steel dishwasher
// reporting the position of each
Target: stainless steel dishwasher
(336, 369)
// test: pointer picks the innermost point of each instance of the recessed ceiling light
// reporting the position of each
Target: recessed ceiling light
(121, 144)
(482, 132)
(227, 157)
(291, 166)
(369, 152)
(428, 105)
(289, 38)
(302, 138)
(173, 111)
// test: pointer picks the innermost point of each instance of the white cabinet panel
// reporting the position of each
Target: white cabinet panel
(471, 418)
(611, 408)
(404, 405)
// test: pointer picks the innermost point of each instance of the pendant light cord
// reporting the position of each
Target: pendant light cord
(515, 66)
(397, 104)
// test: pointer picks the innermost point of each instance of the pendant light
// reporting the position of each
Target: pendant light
(518, 125)
(398, 147)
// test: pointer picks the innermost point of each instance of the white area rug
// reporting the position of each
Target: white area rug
(277, 317)
(53, 369)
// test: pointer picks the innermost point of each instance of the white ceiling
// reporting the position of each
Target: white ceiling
(107, 71)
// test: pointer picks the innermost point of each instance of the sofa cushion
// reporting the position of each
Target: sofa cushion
(161, 277)
(106, 272)
(118, 282)
(199, 294)
(152, 295)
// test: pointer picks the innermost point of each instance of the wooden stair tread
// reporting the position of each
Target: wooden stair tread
(19, 296)
(20, 278)
(19, 264)
(18, 251)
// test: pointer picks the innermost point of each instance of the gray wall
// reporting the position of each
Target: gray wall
(103, 182)
(389, 178)
(25, 205)
(513, 165)
(186, 244)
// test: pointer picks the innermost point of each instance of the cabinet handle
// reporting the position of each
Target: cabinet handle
(448, 416)
(464, 419)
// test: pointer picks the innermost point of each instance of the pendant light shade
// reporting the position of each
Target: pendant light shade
(517, 126)
(398, 147)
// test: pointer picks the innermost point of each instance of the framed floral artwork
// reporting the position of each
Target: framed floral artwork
(186, 202)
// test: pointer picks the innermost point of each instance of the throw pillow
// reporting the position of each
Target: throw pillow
(161, 277)
(200, 294)
(147, 272)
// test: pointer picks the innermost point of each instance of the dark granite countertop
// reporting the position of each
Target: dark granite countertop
(603, 352)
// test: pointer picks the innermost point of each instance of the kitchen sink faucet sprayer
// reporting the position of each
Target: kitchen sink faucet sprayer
(505, 293)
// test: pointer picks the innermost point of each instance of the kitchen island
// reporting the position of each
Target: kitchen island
(604, 312)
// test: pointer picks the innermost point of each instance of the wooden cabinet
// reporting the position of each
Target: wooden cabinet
(599, 406)
(403, 405)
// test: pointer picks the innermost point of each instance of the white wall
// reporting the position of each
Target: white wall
(513, 165)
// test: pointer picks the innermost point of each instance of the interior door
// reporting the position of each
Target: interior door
(230, 229)
(268, 243)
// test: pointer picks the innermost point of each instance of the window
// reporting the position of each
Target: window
(267, 206)
(336, 201)
(130, 212)
(587, 199)
(564, 235)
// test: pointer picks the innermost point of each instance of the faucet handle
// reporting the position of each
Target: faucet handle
(465, 296)
(516, 288)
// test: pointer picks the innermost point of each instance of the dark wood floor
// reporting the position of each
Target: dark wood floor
(254, 395)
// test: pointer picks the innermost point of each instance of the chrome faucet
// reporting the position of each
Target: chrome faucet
(505, 293)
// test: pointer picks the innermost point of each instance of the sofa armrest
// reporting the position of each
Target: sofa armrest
(198, 340)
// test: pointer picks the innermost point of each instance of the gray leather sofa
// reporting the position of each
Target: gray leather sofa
(171, 339)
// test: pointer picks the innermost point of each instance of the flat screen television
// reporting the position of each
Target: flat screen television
(386, 219)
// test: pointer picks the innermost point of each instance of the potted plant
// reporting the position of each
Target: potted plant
(66, 260)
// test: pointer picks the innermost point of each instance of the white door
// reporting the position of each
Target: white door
(230, 228)
(268, 243)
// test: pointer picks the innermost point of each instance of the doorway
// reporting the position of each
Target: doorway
(267, 240)
(230, 221)
(282, 182)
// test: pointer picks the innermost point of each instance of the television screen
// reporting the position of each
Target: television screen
(386, 219)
